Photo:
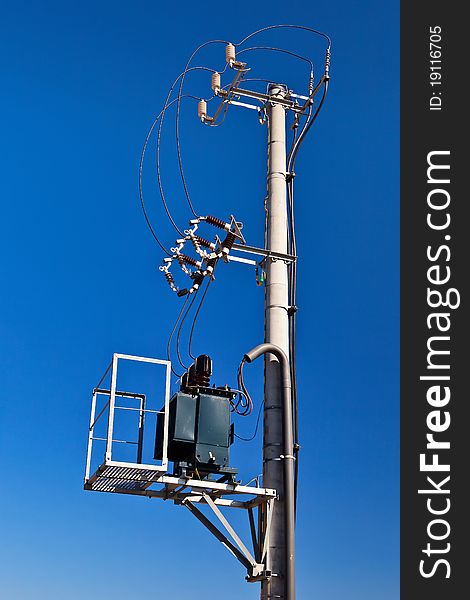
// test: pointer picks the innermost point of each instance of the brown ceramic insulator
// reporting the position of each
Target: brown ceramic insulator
(215, 221)
(189, 260)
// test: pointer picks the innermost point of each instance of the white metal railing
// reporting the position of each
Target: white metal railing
(110, 407)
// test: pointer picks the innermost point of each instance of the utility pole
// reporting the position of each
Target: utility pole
(194, 449)
(277, 333)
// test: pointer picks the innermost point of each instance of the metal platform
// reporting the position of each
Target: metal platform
(151, 480)
(148, 480)
(155, 480)
(122, 477)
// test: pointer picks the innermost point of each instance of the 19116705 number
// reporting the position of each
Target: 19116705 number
(435, 67)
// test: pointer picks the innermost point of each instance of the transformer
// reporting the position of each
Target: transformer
(199, 432)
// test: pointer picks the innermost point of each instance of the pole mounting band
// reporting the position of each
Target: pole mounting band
(277, 306)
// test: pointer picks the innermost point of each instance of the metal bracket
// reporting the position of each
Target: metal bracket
(254, 565)
(227, 96)
(232, 94)
(236, 229)
(287, 258)
(289, 104)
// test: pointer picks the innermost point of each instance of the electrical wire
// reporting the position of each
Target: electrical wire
(141, 163)
(180, 92)
(285, 26)
(141, 194)
(195, 319)
(246, 407)
(188, 310)
(168, 346)
(243, 402)
(293, 334)
(159, 134)
(293, 316)
(281, 50)
(296, 143)
(295, 149)
(141, 166)
(252, 437)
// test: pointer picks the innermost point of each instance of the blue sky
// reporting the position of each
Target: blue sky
(81, 84)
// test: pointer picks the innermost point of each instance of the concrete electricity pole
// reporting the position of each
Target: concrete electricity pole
(201, 474)
(277, 333)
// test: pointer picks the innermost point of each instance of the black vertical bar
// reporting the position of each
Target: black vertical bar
(254, 537)
(434, 300)
(140, 442)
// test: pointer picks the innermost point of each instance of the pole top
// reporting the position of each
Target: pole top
(277, 90)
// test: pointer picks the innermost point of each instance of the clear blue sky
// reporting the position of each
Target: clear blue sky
(81, 83)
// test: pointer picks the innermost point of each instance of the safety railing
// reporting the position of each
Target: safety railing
(108, 412)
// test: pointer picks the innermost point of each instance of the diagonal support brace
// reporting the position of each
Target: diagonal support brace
(217, 533)
(238, 549)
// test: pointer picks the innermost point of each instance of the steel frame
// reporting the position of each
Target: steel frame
(232, 94)
(254, 565)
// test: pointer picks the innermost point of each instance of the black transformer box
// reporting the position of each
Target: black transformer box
(199, 430)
